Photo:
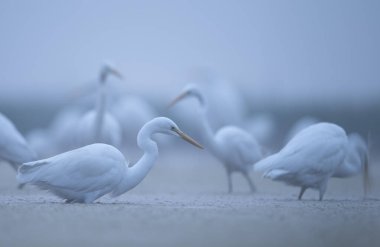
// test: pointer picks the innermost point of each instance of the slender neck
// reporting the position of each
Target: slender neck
(352, 165)
(100, 110)
(138, 172)
(208, 135)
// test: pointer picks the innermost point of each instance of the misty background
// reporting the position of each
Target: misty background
(290, 58)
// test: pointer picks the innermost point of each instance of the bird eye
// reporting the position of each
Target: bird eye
(172, 128)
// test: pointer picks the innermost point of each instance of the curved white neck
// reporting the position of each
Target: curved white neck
(352, 165)
(136, 173)
(100, 110)
(208, 135)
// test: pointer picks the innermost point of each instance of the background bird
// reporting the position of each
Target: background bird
(132, 113)
(87, 173)
(356, 161)
(309, 159)
(98, 125)
(236, 149)
(13, 147)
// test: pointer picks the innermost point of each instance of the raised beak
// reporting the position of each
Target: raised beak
(178, 98)
(188, 138)
(117, 74)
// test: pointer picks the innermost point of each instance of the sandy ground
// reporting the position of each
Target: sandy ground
(183, 202)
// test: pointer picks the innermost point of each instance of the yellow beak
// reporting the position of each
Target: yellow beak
(178, 98)
(188, 138)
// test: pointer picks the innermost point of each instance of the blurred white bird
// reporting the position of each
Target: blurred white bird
(299, 125)
(356, 161)
(132, 113)
(55, 139)
(236, 149)
(263, 127)
(13, 147)
(309, 159)
(85, 174)
(98, 125)
(214, 88)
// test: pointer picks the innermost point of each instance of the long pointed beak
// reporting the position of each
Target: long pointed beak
(177, 99)
(117, 74)
(188, 138)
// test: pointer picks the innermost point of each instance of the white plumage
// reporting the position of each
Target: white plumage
(236, 149)
(356, 161)
(87, 173)
(299, 125)
(309, 159)
(132, 113)
(13, 147)
(98, 125)
(108, 132)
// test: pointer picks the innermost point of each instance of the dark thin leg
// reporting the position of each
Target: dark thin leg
(322, 190)
(301, 193)
(229, 181)
(321, 195)
(250, 183)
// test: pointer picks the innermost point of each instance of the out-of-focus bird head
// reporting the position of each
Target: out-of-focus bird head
(166, 126)
(109, 69)
(190, 90)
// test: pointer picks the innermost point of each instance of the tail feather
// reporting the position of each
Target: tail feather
(267, 163)
(27, 171)
(276, 174)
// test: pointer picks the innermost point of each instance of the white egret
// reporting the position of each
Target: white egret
(214, 88)
(98, 125)
(236, 149)
(85, 174)
(309, 159)
(13, 147)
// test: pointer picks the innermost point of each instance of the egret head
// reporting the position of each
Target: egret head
(108, 69)
(166, 126)
(190, 90)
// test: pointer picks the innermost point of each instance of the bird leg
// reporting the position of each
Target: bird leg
(322, 190)
(301, 193)
(229, 180)
(321, 195)
(250, 183)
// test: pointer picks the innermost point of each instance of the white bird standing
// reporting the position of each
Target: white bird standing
(309, 159)
(98, 125)
(236, 149)
(85, 174)
(13, 147)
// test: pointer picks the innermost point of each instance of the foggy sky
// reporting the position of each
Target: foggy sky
(291, 50)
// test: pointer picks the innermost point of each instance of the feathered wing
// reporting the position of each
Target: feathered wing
(80, 170)
(310, 151)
